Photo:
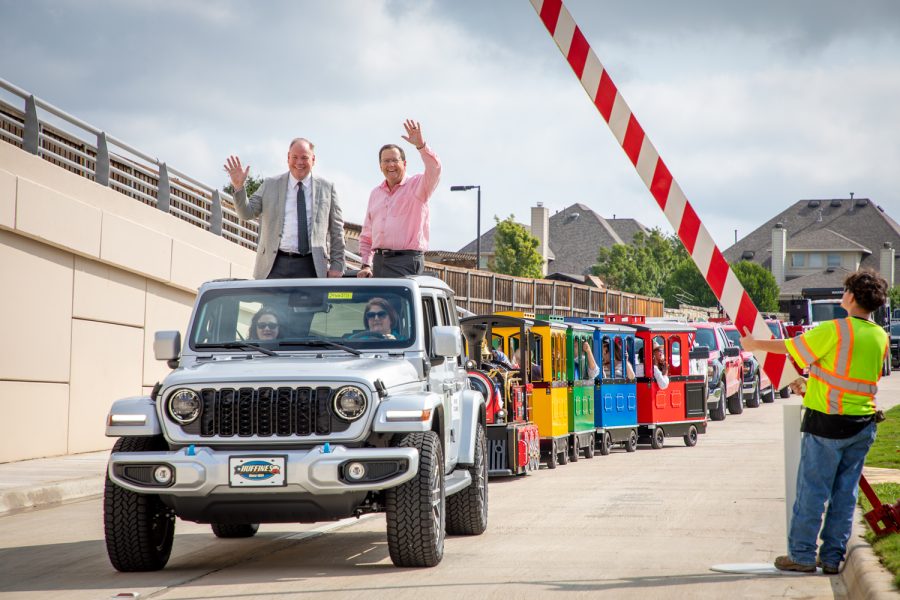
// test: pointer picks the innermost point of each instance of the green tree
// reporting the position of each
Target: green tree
(642, 267)
(759, 283)
(687, 286)
(515, 250)
(894, 295)
(251, 185)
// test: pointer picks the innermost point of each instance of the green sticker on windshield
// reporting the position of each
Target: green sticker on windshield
(340, 295)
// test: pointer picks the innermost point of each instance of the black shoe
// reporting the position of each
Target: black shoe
(786, 563)
(827, 569)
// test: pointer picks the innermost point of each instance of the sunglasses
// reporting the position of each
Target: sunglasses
(381, 314)
(267, 325)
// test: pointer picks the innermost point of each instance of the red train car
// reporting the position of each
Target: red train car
(678, 409)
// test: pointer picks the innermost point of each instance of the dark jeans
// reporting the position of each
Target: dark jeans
(398, 265)
(288, 266)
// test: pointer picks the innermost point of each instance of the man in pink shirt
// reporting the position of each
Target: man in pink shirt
(395, 232)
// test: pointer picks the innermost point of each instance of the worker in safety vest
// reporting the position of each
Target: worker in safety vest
(844, 357)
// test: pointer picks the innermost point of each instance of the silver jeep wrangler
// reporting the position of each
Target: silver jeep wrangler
(301, 401)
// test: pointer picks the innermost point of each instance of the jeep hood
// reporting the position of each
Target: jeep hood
(295, 369)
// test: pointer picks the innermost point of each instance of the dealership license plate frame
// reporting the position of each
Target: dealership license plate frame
(275, 480)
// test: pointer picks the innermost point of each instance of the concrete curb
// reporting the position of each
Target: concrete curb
(56, 492)
(863, 574)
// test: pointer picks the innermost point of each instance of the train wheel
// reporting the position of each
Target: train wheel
(535, 454)
(589, 449)
(551, 460)
(631, 442)
(576, 448)
(658, 439)
(606, 442)
(690, 438)
(564, 453)
(753, 401)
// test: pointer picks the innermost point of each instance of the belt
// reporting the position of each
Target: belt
(293, 254)
(389, 253)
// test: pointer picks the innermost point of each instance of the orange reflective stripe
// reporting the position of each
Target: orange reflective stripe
(844, 347)
(804, 350)
(844, 384)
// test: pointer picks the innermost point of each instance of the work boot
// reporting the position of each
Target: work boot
(827, 569)
(786, 563)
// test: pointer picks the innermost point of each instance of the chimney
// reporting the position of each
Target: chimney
(886, 264)
(779, 247)
(540, 228)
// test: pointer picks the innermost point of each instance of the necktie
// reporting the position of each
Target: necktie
(302, 227)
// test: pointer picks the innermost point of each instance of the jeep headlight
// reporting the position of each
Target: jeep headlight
(350, 403)
(184, 406)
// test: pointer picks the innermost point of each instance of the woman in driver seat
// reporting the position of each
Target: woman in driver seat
(380, 319)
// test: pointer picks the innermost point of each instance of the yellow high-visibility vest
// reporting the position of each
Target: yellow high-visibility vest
(844, 357)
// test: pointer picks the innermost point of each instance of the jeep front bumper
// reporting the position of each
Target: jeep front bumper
(201, 471)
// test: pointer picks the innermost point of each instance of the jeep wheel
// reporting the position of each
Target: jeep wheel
(769, 397)
(785, 392)
(605, 443)
(467, 511)
(138, 528)
(416, 510)
(753, 400)
(239, 530)
(717, 413)
(631, 442)
(735, 403)
(690, 438)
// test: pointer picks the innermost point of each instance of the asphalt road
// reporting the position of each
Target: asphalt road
(643, 525)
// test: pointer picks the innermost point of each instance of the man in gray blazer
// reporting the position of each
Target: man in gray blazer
(301, 231)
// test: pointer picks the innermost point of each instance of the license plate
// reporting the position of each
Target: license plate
(256, 471)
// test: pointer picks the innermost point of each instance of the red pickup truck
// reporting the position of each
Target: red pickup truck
(756, 384)
(725, 371)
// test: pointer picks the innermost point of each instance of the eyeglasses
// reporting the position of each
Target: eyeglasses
(267, 325)
(381, 314)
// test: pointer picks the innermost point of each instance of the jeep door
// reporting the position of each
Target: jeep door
(444, 377)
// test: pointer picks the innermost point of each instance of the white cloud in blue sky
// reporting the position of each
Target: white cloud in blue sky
(752, 105)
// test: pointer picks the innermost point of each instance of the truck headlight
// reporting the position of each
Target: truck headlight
(184, 406)
(350, 403)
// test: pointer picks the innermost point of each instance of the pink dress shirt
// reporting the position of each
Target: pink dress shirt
(398, 219)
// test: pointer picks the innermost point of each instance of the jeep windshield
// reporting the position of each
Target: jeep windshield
(291, 317)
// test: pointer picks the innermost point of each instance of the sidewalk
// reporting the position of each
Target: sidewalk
(47, 481)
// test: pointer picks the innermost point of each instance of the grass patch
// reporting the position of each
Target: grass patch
(885, 453)
(888, 547)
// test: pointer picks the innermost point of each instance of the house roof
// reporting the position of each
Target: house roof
(831, 278)
(825, 239)
(576, 233)
(858, 221)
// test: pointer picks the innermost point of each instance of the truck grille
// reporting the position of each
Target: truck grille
(266, 411)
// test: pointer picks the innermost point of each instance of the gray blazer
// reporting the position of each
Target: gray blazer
(326, 236)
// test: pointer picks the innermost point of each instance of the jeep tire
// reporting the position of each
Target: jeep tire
(735, 402)
(467, 511)
(235, 530)
(416, 510)
(139, 528)
(717, 413)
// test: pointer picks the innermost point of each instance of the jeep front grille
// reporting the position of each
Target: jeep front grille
(266, 411)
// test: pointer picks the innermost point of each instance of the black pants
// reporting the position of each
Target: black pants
(398, 265)
(288, 266)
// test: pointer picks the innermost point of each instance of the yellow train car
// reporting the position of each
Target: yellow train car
(547, 359)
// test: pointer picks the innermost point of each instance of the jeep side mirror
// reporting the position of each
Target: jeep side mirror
(446, 341)
(732, 351)
(167, 345)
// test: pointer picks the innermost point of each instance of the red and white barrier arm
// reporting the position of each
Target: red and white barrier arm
(652, 170)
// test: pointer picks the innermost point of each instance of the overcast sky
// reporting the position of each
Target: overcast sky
(753, 105)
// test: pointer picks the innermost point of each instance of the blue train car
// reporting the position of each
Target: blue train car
(615, 389)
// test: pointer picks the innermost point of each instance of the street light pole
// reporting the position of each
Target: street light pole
(465, 188)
